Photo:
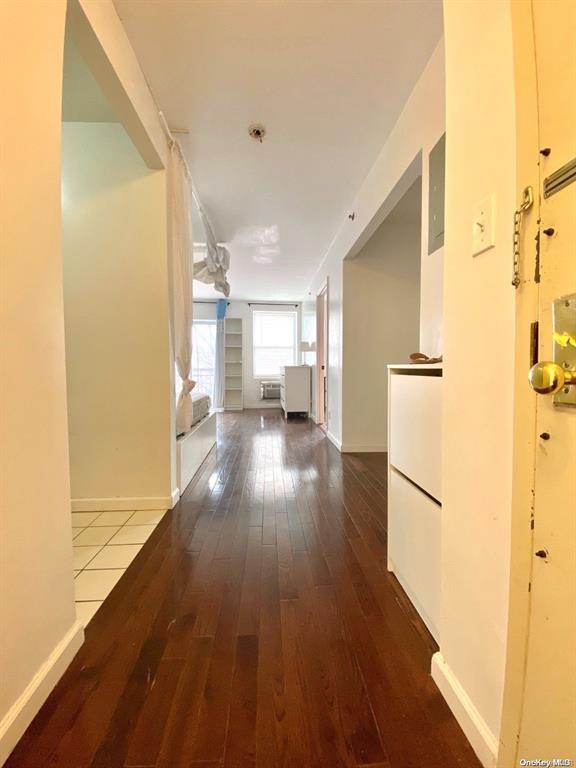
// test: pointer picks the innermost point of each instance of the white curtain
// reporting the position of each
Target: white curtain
(182, 271)
(212, 269)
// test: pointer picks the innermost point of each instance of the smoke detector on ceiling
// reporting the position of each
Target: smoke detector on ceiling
(257, 132)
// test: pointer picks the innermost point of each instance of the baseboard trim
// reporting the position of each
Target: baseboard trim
(334, 440)
(25, 708)
(175, 497)
(123, 503)
(363, 448)
(483, 741)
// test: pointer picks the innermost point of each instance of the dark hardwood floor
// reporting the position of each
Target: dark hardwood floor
(257, 627)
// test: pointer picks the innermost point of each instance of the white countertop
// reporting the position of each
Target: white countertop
(415, 366)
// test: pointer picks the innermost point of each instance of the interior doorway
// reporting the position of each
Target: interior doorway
(380, 319)
(116, 310)
(322, 357)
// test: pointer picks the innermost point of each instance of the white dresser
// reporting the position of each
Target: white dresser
(295, 389)
(414, 485)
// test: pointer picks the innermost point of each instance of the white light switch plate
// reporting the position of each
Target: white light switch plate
(483, 226)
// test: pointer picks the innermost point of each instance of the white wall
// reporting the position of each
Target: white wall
(38, 634)
(117, 326)
(243, 310)
(381, 321)
(479, 367)
(420, 125)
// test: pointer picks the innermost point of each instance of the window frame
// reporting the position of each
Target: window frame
(207, 371)
(293, 313)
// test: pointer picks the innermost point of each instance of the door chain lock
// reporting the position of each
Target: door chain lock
(527, 202)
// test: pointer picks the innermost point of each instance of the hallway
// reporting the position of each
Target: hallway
(257, 627)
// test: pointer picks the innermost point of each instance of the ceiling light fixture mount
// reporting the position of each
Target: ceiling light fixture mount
(257, 132)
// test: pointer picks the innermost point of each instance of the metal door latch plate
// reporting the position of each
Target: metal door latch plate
(564, 324)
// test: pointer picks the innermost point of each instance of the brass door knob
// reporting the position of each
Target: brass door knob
(549, 378)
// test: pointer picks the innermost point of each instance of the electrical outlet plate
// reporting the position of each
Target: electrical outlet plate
(483, 226)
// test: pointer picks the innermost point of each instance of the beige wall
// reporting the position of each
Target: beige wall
(479, 366)
(381, 321)
(116, 313)
(420, 125)
(38, 634)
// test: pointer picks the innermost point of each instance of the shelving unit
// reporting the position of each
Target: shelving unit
(233, 378)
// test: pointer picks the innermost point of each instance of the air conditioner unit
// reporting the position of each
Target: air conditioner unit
(269, 390)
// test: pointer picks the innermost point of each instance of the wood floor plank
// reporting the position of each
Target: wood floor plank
(146, 740)
(288, 589)
(182, 724)
(271, 726)
(181, 629)
(240, 751)
(113, 747)
(332, 746)
(249, 616)
(258, 627)
(208, 613)
(301, 748)
(213, 715)
(356, 718)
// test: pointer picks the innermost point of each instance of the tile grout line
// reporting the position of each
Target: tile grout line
(92, 524)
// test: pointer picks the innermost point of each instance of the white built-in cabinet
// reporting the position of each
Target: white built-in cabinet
(233, 379)
(295, 389)
(414, 485)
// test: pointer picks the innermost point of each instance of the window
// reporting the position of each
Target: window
(274, 342)
(203, 356)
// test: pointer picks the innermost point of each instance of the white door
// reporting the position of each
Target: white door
(545, 727)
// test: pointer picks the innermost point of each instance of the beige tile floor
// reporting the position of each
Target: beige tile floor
(105, 543)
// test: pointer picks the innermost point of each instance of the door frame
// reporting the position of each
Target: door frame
(322, 326)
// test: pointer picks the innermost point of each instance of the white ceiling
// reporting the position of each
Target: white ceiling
(328, 79)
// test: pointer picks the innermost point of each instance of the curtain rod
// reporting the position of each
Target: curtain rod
(250, 303)
(172, 141)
